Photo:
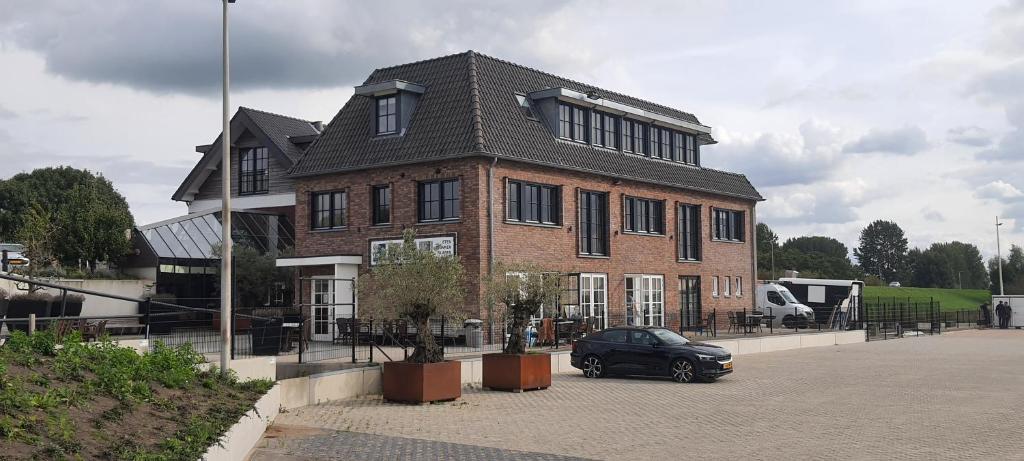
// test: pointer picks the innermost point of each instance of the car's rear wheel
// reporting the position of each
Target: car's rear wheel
(593, 366)
(683, 371)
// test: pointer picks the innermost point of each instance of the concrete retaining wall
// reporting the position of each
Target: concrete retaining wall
(96, 305)
(335, 385)
(247, 432)
(745, 346)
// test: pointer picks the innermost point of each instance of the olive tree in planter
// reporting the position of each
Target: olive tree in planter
(519, 291)
(416, 284)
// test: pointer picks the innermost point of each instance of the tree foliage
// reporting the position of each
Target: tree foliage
(255, 274)
(882, 250)
(817, 257)
(1013, 272)
(415, 284)
(945, 265)
(36, 234)
(90, 218)
(767, 241)
(519, 291)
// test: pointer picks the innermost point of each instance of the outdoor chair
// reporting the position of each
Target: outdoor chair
(93, 331)
(343, 330)
(733, 325)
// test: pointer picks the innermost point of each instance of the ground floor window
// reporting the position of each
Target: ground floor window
(689, 300)
(645, 300)
(594, 299)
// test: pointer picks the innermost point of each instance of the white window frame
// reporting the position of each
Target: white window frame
(739, 286)
(590, 306)
(648, 298)
(322, 306)
(727, 286)
(714, 286)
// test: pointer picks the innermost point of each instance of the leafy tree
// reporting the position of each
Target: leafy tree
(1013, 272)
(817, 257)
(882, 250)
(414, 284)
(767, 241)
(91, 217)
(521, 289)
(36, 234)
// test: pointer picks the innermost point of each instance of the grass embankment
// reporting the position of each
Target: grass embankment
(102, 401)
(949, 299)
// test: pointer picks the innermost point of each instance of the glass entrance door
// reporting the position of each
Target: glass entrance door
(323, 309)
(689, 301)
(594, 298)
(645, 300)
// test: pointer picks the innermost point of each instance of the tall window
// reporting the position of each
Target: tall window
(739, 286)
(627, 136)
(645, 300)
(593, 227)
(535, 203)
(439, 200)
(665, 143)
(644, 216)
(381, 204)
(603, 132)
(725, 288)
(593, 292)
(572, 122)
(329, 210)
(655, 141)
(692, 154)
(387, 115)
(254, 176)
(728, 225)
(678, 146)
(714, 286)
(688, 232)
(689, 300)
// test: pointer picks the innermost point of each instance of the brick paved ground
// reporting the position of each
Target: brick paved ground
(915, 398)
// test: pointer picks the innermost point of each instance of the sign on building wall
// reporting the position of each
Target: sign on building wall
(442, 246)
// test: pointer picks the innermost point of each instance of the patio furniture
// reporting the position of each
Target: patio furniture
(93, 331)
(733, 322)
(753, 321)
(63, 328)
(344, 330)
(292, 333)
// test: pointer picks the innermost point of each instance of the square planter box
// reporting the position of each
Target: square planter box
(422, 382)
(517, 372)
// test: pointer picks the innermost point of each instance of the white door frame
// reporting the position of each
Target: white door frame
(648, 301)
(589, 307)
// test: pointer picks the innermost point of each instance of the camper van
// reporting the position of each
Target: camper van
(836, 303)
(776, 300)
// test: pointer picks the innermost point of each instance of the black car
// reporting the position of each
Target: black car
(649, 351)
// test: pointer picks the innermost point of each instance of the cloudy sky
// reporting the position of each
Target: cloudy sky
(839, 112)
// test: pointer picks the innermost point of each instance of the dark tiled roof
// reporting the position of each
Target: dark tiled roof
(279, 127)
(469, 108)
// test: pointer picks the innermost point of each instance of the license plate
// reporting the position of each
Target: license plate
(727, 366)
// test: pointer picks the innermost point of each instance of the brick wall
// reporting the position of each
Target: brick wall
(553, 247)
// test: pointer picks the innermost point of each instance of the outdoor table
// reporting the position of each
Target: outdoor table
(752, 321)
(564, 329)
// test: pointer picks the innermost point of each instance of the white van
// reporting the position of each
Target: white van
(776, 300)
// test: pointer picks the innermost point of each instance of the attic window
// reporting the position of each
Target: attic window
(387, 114)
(525, 107)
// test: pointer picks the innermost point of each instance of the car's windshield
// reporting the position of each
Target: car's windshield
(789, 296)
(668, 337)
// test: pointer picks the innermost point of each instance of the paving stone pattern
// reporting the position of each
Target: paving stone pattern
(952, 396)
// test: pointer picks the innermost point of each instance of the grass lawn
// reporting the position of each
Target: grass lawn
(949, 299)
(102, 401)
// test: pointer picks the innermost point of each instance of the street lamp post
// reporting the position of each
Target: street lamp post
(960, 277)
(226, 246)
(999, 257)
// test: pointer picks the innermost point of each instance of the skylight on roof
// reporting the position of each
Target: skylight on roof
(525, 107)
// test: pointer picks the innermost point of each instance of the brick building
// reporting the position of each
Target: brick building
(498, 162)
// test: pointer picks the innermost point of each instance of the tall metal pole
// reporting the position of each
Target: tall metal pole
(225, 260)
(999, 257)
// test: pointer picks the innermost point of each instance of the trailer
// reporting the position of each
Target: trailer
(1016, 309)
(836, 303)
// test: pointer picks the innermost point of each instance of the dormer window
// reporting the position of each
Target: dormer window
(253, 174)
(572, 122)
(604, 129)
(387, 114)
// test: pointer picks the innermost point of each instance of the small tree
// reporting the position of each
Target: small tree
(414, 284)
(520, 290)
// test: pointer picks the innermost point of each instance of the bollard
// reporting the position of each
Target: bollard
(31, 324)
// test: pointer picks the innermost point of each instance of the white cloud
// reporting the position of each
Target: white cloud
(907, 140)
(999, 190)
(775, 159)
(975, 136)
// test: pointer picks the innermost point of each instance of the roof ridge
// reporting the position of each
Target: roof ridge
(413, 63)
(606, 91)
(475, 106)
(276, 114)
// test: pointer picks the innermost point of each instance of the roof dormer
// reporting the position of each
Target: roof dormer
(393, 105)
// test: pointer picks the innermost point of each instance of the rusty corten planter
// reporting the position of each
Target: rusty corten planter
(517, 372)
(422, 382)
